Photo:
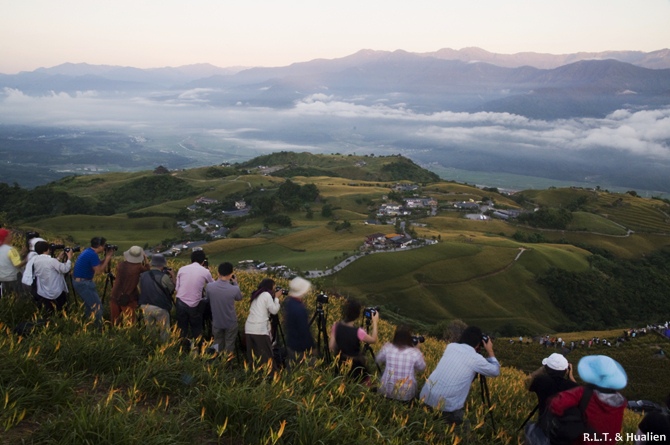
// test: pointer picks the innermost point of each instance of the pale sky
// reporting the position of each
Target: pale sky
(157, 33)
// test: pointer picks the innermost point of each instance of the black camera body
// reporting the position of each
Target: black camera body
(368, 312)
(322, 298)
(416, 339)
(111, 247)
(166, 270)
(30, 235)
(53, 247)
(74, 249)
(284, 292)
(485, 339)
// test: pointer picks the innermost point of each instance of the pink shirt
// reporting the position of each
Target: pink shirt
(191, 280)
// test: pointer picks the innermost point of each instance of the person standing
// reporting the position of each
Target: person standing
(50, 274)
(27, 278)
(85, 268)
(10, 263)
(264, 303)
(124, 296)
(403, 359)
(222, 295)
(448, 386)
(299, 340)
(191, 281)
(155, 296)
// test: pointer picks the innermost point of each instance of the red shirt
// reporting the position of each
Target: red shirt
(604, 417)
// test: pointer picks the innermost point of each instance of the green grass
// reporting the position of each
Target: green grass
(70, 384)
(588, 222)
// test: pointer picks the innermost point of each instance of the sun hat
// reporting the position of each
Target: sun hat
(556, 362)
(134, 255)
(158, 260)
(602, 371)
(298, 287)
(34, 241)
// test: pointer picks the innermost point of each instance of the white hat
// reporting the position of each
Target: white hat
(134, 255)
(556, 361)
(34, 241)
(298, 287)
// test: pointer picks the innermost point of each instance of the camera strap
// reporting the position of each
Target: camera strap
(160, 285)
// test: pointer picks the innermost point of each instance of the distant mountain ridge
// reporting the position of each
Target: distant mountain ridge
(659, 59)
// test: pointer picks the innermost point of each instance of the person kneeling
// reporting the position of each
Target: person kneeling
(403, 358)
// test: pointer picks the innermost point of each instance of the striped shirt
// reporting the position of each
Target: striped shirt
(398, 381)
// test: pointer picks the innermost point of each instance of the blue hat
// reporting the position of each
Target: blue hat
(602, 371)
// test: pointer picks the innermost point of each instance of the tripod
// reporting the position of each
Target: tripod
(486, 398)
(109, 281)
(276, 333)
(368, 348)
(321, 332)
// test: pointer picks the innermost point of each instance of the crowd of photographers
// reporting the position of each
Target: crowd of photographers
(150, 287)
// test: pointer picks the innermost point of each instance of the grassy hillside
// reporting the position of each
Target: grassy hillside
(70, 384)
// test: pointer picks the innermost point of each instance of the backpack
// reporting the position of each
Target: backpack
(572, 425)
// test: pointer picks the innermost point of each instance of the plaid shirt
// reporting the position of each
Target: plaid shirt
(398, 381)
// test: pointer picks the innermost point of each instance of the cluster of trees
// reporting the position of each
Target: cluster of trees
(547, 218)
(288, 197)
(18, 204)
(614, 292)
(145, 192)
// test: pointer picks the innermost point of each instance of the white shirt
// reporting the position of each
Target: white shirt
(50, 276)
(258, 322)
(27, 277)
(448, 386)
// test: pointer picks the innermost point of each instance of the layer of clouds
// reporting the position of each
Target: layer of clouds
(323, 122)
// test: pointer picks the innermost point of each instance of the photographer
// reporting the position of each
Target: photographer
(448, 386)
(50, 274)
(155, 297)
(191, 281)
(123, 299)
(403, 358)
(222, 295)
(10, 263)
(555, 375)
(264, 303)
(86, 267)
(296, 320)
(345, 338)
(32, 238)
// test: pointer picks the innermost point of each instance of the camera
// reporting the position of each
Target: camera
(368, 312)
(485, 339)
(283, 291)
(322, 298)
(31, 235)
(166, 270)
(74, 249)
(416, 339)
(205, 263)
(111, 247)
(53, 247)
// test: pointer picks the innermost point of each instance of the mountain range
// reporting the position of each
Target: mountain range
(589, 119)
(530, 84)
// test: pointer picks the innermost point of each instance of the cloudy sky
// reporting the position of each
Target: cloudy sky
(149, 33)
